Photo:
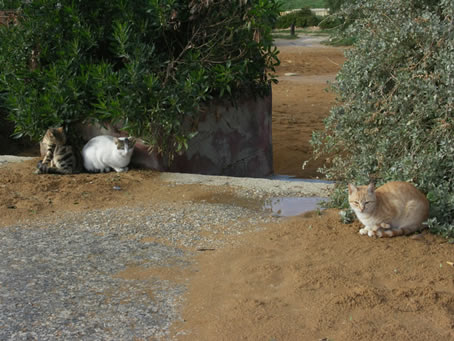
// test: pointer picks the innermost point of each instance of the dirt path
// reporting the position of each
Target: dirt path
(301, 102)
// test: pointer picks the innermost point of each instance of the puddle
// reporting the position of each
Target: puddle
(294, 178)
(292, 206)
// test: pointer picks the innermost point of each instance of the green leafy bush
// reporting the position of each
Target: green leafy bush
(147, 64)
(301, 18)
(395, 119)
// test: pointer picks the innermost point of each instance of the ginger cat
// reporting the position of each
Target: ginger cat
(396, 208)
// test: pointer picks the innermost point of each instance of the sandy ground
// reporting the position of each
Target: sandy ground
(308, 277)
(312, 278)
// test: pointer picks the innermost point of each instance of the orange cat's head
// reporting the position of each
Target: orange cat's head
(362, 199)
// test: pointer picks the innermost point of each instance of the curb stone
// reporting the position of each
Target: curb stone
(5, 159)
(300, 188)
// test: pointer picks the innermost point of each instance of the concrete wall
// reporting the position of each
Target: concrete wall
(231, 140)
(320, 12)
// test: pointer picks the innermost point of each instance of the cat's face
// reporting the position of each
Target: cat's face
(362, 199)
(55, 136)
(125, 145)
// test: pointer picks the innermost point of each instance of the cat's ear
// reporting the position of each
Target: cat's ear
(352, 189)
(132, 141)
(371, 188)
(116, 140)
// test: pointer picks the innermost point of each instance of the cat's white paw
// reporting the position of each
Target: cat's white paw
(119, 170)
(371, 233)
(385, 225)
(363, 231)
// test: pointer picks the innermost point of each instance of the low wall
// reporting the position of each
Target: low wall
(320, 12)
(231, 140)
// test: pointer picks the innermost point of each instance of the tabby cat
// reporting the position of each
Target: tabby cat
(396, 208)
(104, 153)
(61, 157)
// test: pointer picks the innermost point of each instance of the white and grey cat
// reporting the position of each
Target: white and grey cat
(396, 208)
(104, 153)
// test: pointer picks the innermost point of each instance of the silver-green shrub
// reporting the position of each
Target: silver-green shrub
(395, 118)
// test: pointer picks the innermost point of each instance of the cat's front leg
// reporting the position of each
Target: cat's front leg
(363, 231)
(42, 168)
(38, 167)
(367, 230)
(379, 230)
(373, 231)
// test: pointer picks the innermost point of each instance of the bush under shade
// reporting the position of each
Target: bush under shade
(148, 65)
(395, 119)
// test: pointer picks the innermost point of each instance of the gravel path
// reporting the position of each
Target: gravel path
(59, 279)
(67, 278)
(302, 41)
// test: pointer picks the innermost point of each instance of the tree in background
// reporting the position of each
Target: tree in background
(335, 5)
(301, 18)
(395, 118)
(147, 65)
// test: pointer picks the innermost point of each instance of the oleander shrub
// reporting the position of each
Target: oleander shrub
(148, 65)
(395, 117)
(301, 18)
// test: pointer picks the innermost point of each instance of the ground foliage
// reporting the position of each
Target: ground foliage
(396, 91)
(148, 65)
